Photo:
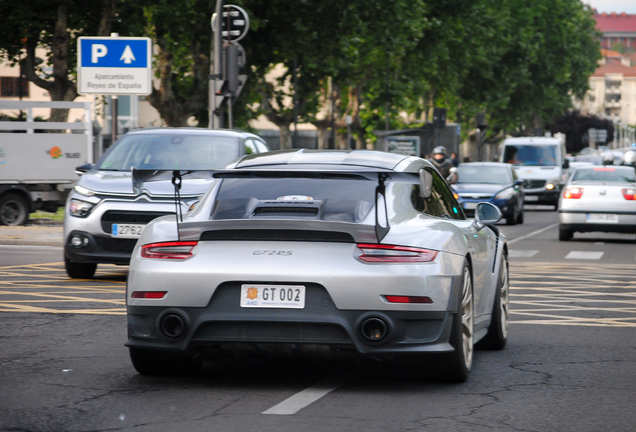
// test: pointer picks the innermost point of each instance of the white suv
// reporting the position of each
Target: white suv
(104, 217)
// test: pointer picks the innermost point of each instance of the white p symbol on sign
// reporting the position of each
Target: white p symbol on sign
(98, 50)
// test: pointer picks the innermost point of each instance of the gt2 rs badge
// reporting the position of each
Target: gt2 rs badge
(271, 252)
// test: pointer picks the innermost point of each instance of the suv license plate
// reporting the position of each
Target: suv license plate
(531, 198)
(273, 296)
(126, 230)
(602, 218)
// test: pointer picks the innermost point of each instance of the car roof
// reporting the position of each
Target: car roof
(343, 159)
(192, 130)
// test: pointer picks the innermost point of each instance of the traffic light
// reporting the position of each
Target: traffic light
(439, 117)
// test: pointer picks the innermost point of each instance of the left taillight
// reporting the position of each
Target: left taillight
(168, 250)
(380, 253)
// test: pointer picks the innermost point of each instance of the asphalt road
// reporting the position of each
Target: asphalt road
(569, 365)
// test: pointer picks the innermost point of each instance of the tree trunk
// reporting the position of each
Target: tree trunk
(285, 136)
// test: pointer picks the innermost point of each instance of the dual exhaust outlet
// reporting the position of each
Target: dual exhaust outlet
(373, 329)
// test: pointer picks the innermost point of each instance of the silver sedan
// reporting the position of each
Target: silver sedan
(598, 198)
(321, 252)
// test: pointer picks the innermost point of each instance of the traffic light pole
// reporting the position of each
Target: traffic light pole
(217, 68)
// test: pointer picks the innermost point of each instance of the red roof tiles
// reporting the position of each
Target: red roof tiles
(609, 68)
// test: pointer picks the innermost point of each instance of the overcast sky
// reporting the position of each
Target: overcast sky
(628, 6)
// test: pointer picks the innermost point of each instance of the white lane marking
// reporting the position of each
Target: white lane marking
(300, 400)
(30, 247)
(519, 253)
(584, 255)
(532, 233)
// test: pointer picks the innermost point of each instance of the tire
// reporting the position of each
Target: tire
(511, 220)
(456, 366)
(76, 270)
(160, 363)
(520, 217)
(497, 335)
(565, 234)
(14, 210)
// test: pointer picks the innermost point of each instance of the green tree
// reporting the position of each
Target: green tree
(53, 25)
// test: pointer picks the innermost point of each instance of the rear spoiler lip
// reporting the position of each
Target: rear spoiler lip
(361, 233)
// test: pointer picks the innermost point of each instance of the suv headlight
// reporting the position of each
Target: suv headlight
(79, 208)
(83, 191)
(505, 194)
(552, 184)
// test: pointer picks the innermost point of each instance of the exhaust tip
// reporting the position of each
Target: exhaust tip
(374, 329)
(173, 325)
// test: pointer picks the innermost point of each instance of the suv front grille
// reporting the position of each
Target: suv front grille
(132, 217)
(534, 184)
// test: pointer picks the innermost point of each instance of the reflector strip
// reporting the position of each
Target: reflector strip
(408, 299)
(148, 294)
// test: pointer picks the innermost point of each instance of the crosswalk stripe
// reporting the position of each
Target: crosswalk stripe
(585, 255)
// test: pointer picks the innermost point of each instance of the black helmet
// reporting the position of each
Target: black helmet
(439, 150)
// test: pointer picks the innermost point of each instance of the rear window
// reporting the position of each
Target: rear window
(605, 174)
(169, 152)
(531, 155)
(337, 200)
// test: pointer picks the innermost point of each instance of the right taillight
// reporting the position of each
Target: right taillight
(573, 193)
(629, 194)
(168, 250)
(380, 253)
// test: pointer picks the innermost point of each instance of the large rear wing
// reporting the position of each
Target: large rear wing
(381, 177)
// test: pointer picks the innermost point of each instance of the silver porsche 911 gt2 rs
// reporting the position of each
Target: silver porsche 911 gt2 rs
(319, 251)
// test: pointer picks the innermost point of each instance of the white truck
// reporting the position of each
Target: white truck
(37, 170)
(541, 163)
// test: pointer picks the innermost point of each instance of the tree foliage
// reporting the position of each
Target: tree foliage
(378, 61)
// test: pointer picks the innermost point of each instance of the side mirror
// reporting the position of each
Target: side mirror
(566, 164)
(426, 183)
(82, 169)
(487, 213)
(519, 183)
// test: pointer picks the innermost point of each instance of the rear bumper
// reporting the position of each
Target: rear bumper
(321, 327)
(577, 220)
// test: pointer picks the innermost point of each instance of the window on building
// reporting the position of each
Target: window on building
(10, 87)
(591, 98)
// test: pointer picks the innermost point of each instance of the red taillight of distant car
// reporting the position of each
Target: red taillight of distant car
(379, 253)
(168, 250)
(148, 294)
(573, 193)
(629, 194)
(408, 299)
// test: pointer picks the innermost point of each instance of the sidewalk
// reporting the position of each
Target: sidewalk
(34, 234)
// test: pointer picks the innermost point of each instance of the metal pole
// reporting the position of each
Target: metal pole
(113, 117)
(295, 136)
(215, 120)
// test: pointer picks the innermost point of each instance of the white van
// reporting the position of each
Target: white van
(541, 162)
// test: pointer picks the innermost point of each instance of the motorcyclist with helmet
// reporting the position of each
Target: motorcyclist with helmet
(441, 162)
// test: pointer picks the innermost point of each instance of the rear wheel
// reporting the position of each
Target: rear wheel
(77, 270)
(456, 366)
(565, 234)
(160, 363)
(13, 210)
(497, 335)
